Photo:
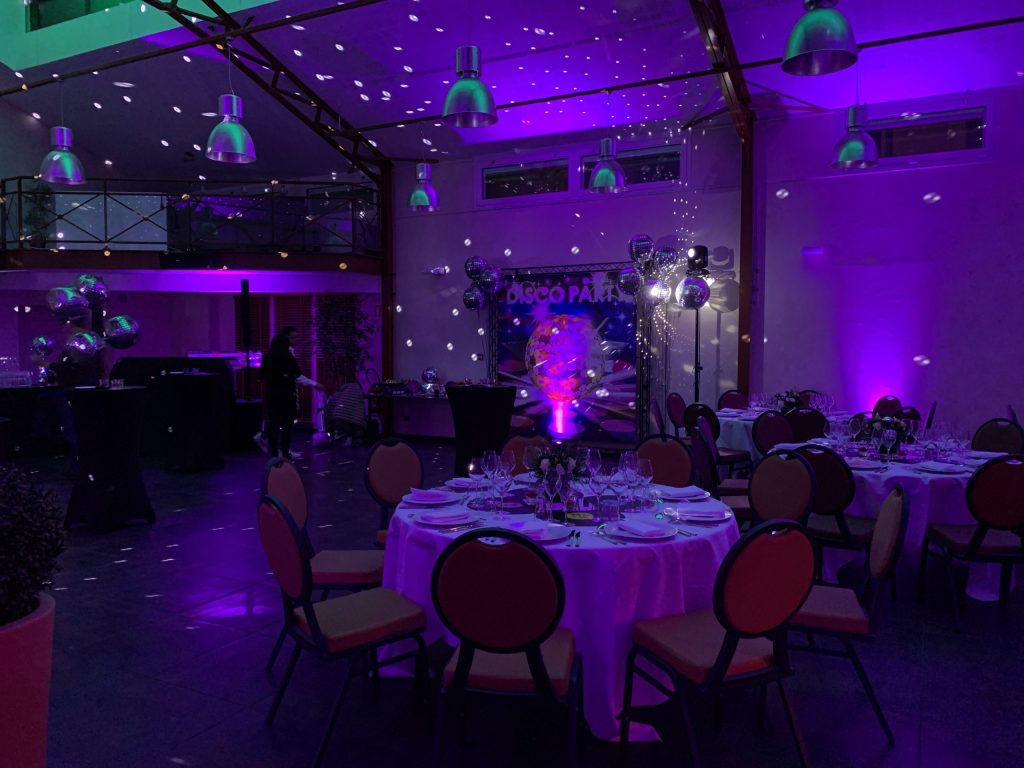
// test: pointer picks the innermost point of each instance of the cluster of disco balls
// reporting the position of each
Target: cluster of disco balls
(650, 261)
(74, 305)
(485, 281)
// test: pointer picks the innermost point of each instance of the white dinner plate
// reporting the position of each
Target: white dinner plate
(866, 464)
(525, 477)
(940, 468)
(438, 520)
(615, 529)
(460, 484)
(702, 515)
(436, 499)
(545, 535)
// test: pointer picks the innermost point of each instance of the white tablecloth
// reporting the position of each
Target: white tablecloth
(738, 434)
(608, 589)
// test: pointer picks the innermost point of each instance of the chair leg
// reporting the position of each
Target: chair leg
(690, 733)
(762, 704)
(923, 577)
(793, 726)
(1005, 575)
(574, 721)
(284, 683)
(869, 690)
(422, 670)
(892, 586)
(627, 701)
(954, 600)
(375, 672)
(442, 703)
(335, 713)
(277, 648)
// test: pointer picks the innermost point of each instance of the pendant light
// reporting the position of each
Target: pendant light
(821, 42)
(607, 176)
(469, 103)
(61, 165)
(856, 149)
(423, 196)
(229, 141)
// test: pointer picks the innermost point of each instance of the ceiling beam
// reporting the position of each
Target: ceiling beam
(714, 31)
(281, 83)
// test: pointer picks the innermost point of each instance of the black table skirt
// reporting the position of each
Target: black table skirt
(109, 491)
(196, 420)
(481, 416)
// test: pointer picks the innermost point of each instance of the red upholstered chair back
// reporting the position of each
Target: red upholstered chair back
(764, 579)
(888, 405)
(999, 435)
(908, 413)
(676, 407)
(518, 443)
(733, 398)
(834, 485)
(887, 539)
(805, 396)
(707, 431)
(392, 468)
(806, 423)
(670, 458)
(281, 541)
(502, 595)
(282, 481)
(694, 411)
(782, 487)
(770, 429)
(995, 493)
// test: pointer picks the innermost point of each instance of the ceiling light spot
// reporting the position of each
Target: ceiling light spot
(922, 360)
(450, 346)
(467, 242)
(932, 197)
(782, 193)
(108, 163)
(339, 47)
(186, 59)
(408, 342)
(97, 105)
(364, 97)
(177, 110)
(164, 142)
(36, 116)
(128, 99)
(407, 68)
(297, 52)
(413, 17)
(298, 27)
(358, 83)
(197, 148)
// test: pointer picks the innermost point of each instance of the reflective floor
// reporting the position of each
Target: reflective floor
(162, 633)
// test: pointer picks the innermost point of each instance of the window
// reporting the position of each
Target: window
(46, 13)
(915, 134)
(526, 179)
(642, 166)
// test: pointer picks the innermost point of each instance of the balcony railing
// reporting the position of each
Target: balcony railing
(177, 217)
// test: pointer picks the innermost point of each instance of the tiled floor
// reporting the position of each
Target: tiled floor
(162, 634)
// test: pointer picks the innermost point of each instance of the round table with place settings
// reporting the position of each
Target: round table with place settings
(610, 582)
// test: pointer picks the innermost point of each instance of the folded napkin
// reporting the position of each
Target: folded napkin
(671, 492)
(640, 528)
(985, 454)
(442, 518)
(460, 482)
(534, 529)
(940, 466)
(732, 411)
(418, 494)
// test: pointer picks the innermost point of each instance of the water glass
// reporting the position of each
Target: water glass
(611, 509)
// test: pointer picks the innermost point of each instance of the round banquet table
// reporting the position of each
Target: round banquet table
(608, 588)
(738, 433)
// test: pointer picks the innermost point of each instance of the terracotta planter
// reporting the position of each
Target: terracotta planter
(26, 647)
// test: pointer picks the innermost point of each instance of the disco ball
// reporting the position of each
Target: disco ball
(94, 290)
(121, 331)
(657, 291)
(629, 281)
(564, 357)
(693, 292)
(475, 266)
(430, 375)
(42, 346)
(82, 347)
(488, 279)
(666, 256)
(474, 298)
(67, 304)
(641, 250)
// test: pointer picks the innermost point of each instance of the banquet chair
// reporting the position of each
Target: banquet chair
(846, 615)
(1002, 435)
(675, 406)
(806, 423)
(350, 628)
(908, 413)
(727, 456)
(392, 468)
(504, 600)
(770, 429)
(518, 444)
(834, 489)
(733, 398)
(995, 498)
(931, 415)
(858, 424)
(805, 395)
(887, 405)
(782, 487)
(351, 569)
(1012, 414)
(741, 642)
(671, 459)
(728, 486)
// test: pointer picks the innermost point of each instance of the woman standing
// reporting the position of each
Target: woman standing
(280, 373)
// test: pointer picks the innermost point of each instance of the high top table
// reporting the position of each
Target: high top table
(108, 491)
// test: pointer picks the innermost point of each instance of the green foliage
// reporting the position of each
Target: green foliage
(343, 333)
(31, 539)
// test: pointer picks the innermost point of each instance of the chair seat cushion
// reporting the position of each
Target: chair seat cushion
(510, 672)
(825, 528)
(734, 486)
(364, 618)
(957, 538)
(740, 506)
(347, 566)
(732, 456)
(689, 643)
(834, 609)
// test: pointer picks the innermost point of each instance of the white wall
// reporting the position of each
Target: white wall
(546, 230)
(866, 280)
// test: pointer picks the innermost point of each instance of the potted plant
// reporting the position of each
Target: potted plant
(31, 538)
(39, 214)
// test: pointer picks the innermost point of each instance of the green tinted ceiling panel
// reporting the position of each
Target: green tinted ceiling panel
(21, 49)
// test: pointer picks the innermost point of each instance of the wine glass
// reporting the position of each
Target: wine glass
(594, 461)
(504, 480)
(888, 441)
(531, 457)
(508, 461)
(490, 465)
(476, 473)
(549, 484)
(645, 474)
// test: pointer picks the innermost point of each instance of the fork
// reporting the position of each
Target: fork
(608, 538)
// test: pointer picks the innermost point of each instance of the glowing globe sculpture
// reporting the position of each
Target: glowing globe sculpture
(564, 357)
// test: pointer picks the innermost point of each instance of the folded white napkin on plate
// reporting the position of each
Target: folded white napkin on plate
(939, 466)
(461, 482)
(640, 528)
(442, 518)
(418, 494)
(671, 492)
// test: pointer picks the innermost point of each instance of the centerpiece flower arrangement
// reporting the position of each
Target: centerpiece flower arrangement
(564, 458)
(877, 424)
(788, 400)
